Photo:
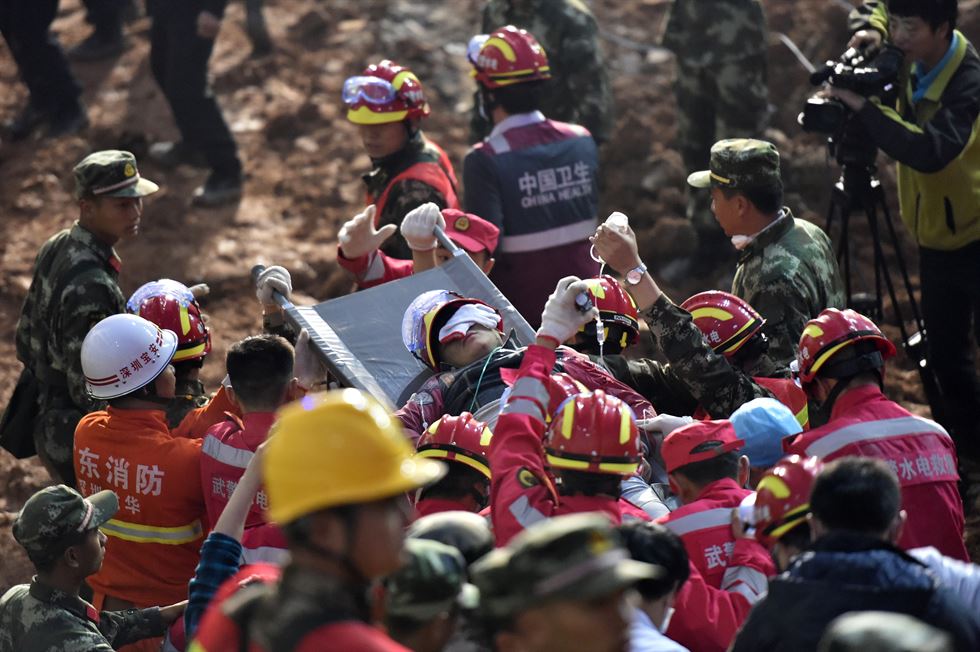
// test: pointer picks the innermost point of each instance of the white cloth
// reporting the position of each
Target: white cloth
(742, 241)
(957, 576)
(465, 317)
(645, 637)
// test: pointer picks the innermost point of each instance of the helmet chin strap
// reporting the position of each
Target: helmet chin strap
(820, 414)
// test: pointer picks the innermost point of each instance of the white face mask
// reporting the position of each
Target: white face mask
(665, 623)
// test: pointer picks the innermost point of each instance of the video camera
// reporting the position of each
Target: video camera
(868, 73)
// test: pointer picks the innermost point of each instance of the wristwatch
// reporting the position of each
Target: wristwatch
(634, 275)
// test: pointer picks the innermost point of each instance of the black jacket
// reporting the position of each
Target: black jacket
(848, 572)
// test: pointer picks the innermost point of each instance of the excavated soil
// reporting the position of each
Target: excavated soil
(303, 161)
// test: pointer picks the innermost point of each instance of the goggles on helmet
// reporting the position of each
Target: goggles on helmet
(474, 46)
(372, 90)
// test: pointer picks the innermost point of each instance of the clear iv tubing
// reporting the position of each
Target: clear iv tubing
(619, 221)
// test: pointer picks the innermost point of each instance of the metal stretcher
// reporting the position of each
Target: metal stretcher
(359, 335)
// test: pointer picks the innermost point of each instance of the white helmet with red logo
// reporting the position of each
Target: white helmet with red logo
(124, 353)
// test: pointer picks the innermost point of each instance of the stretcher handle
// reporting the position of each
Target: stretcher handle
(448, 244)
(277, 296)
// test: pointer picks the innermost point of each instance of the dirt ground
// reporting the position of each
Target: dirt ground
(303, 160)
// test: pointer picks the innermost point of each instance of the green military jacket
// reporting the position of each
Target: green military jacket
(789, 275)
(83, 272)
(38, 618)
(579, 90)
(710, 32)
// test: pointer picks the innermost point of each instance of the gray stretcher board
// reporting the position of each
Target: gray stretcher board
(359, 335)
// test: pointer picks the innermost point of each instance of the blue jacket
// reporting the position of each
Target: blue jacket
(850, 572)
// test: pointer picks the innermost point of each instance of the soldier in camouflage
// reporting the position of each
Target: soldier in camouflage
(75, 286)
(786, 268)
(562, 584)
(60, 532)
(579, 90)
(424, 598)
(721, 85)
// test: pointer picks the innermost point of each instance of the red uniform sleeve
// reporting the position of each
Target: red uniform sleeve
(749, 570)
(706, 619)
(422, 409)
(521, 492)
(375, 268)
(195, 425)
(350, 636)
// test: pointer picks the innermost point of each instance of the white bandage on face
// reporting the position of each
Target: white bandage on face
(465, 317)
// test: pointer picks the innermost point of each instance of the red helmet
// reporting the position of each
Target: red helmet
(183, 317)
(460, 439)
(782, 498)
(616, 308)
(833, 330)
(510, 56)
(384, 93)
(593, 432)
(561, 388)
(726, 321)
(418, 334)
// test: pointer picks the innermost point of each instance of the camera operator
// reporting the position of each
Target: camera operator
(931, 132)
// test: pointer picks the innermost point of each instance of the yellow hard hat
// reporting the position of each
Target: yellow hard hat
(339, 448)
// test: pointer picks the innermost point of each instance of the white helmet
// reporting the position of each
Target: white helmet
(123, 353)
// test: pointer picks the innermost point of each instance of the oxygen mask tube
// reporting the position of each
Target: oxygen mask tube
(620, 222)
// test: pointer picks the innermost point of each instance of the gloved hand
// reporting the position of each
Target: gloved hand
(663, 424)
(417, 227)
(307, 368)
(359, 237)
(273, 278)
(200, 290)
(561, 318)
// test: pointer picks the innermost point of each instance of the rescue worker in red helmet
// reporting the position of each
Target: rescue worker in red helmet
(535, 178)
(171, 305)
(841, 358)
(463, 443)
(617, 311)
(590, 445)
(387, 103)
(782, 503)
(463, 341)
(713, 342)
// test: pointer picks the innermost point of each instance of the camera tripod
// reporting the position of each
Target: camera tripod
(859, 190)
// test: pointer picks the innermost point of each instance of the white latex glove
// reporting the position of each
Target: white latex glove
(561, 318)
(663, 424)
(307, 368)
(200, 290)
(359, 237)
(275, 278)
(418, 225)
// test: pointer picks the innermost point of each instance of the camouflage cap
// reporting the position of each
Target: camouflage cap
(432, 580)
(740, 164)
(55, 514)
(575, 557)
(467, 532)
(111, 173)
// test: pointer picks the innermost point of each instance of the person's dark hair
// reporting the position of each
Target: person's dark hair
(798, 537)
(588, 484)
(653, 543)
(517, 98)
(47, 560)
(748, 353)
(402, 627)
(861, 360)
(184, 368)
(457, 484)
(260, 368)
(857, 494)
(767, 200)
(934, 12)
(708, 471)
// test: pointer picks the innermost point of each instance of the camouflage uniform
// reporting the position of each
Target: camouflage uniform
(406, 194)
(579, 90)
(788, 272)
(696, 375)
(721, 84)
(37, 617)
(432, 581)
(189, 395)
(75, 286)
(576, 557)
